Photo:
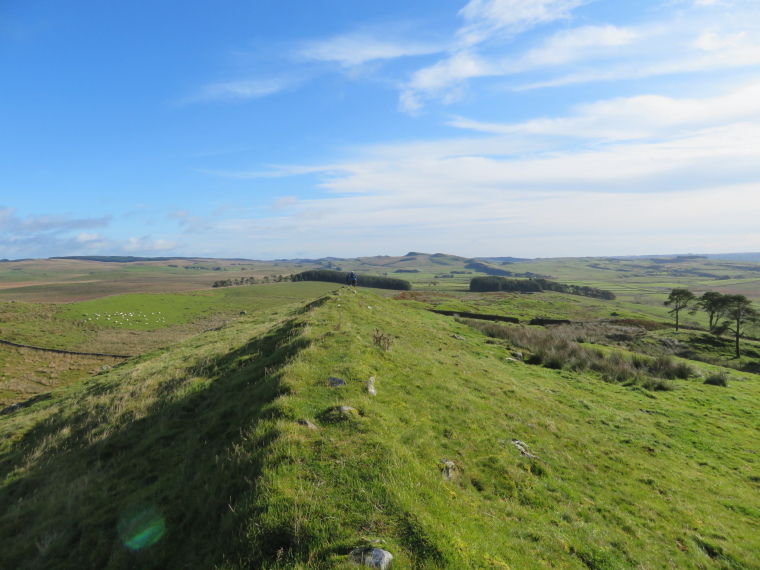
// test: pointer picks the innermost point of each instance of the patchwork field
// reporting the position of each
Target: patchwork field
(134, 307)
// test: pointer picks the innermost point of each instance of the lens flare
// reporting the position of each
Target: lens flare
(140, 528)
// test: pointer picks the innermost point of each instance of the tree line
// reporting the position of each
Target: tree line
(727, 314)
(375, 281)
(494, 283)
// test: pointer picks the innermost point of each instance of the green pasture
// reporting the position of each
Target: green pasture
(194, 457)
(150, 311)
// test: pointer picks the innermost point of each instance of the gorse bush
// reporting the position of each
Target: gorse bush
(557, 348)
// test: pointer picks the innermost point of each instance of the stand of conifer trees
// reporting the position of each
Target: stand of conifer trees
(364, 280)
(494, 283)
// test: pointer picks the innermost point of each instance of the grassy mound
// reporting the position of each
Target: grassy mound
(232, 451)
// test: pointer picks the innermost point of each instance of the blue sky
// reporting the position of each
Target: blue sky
(280, 129)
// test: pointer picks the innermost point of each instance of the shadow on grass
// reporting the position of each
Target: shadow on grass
(168, 490)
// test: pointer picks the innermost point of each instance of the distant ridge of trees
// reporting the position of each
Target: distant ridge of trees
(497, 283)
(364, 280)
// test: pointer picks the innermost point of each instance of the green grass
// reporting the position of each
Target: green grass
(199, 448)
(127, 324)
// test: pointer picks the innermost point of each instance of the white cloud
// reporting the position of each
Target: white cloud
(88, 238)
(711, 41)
(570, 45)
(360, 47)
(284, 202)
(655, 171)
(241, 90)
(440, 78)
(679, 43)
(636, 117)
(148, 244)
(484, 18)
(12, 224)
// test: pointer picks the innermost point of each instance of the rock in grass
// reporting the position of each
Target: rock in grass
(335, 382)
(517, 354)
(458, 337)
(341, 413)
(371, 386)
(372, 557)
(448, 468)
(306, 423)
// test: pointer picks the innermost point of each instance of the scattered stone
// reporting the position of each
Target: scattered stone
(105, 367)
(511, 360)
(242, 313)
(523, 447)
(371, 386)
(307, 424)
(448, 468)
(458, 337)
(371, 556)
(335, 382)
(341, 413)
(517, 354)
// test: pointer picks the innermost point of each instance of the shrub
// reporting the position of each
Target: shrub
(719, 378)
(383, 340)
(667, 367)
(556, 348)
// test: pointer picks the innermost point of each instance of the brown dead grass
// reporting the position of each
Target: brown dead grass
(28, 372)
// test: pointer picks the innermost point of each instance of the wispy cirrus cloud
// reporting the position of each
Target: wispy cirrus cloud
(483, 20)
(364, 46)
(706, 39)
(486, 18)
(242, 90)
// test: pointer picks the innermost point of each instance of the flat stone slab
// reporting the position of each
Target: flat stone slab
(371, 557)
(307, 423)
(335, 382)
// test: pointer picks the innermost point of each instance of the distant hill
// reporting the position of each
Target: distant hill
(505, 259)
(130, 259)
(735, 256)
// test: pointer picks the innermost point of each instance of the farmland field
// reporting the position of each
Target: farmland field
(130, 308)
(129, 324)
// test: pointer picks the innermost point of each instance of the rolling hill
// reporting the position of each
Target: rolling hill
(258, 445)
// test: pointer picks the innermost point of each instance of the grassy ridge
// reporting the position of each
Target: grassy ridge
(202, 442)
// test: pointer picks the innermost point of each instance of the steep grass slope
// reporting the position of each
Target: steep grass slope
(194, 457)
